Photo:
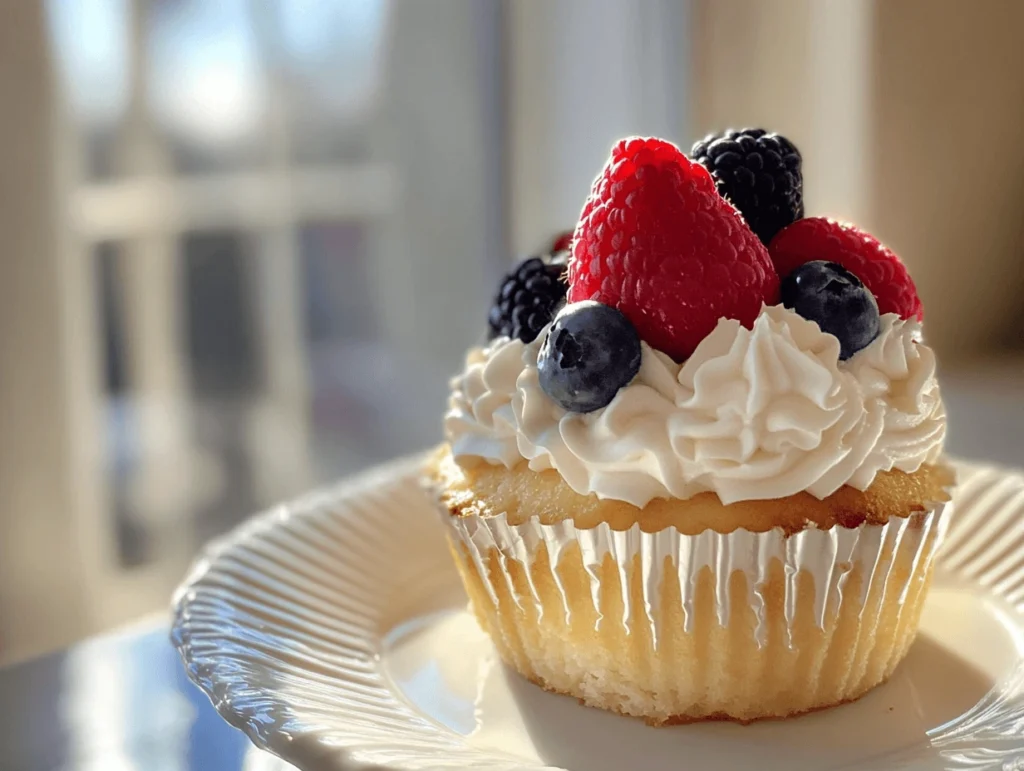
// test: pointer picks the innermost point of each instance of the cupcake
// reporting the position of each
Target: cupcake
(696, 472)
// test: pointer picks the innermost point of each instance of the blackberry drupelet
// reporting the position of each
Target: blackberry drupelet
(760, 175)
(528, 298)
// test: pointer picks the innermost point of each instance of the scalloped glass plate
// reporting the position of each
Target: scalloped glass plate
(333, 630)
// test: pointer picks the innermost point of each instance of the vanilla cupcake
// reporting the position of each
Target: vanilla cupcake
(678, 497)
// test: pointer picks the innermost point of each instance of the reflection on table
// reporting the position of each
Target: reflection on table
(117, 703)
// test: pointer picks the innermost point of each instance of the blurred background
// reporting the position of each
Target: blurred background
(246, 241)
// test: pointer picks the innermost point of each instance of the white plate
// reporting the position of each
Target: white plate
(333, 631)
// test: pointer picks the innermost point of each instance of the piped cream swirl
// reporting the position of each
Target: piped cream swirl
(753, 414)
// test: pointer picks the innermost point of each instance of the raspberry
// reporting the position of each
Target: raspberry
(819, 238)
(760, 175)
(528, 298)
(659, 243)
(561, 242)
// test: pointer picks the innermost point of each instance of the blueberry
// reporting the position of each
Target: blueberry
(829, 294)
(591, 351)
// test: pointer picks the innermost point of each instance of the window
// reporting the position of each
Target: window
(244, 249)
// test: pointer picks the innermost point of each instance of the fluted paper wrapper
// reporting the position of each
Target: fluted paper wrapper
(675, 627)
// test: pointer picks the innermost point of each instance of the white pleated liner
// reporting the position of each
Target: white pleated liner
(828, 555)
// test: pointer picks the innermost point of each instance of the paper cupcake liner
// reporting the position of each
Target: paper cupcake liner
(563, 603)
(828, 555)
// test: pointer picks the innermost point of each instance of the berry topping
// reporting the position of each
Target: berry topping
(759, 173)
(591, 351)
(528, 298)
(656, 241)
(562, 241)
(818, 238)
(829, 294)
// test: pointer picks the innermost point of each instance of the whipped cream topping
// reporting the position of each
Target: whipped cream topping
(753, 414)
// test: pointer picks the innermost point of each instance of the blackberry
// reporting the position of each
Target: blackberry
(528, 298)
(760, 175)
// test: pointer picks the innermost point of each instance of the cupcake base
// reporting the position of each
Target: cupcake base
(718, 717)
(644, 619)
(714, 671)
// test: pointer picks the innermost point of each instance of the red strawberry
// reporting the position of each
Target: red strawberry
(819, 238)
(561, 242)
(659, 243)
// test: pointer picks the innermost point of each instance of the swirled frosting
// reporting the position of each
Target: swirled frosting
(753, 414)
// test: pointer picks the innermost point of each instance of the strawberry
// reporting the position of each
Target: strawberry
(819, 238)
(657, 242)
